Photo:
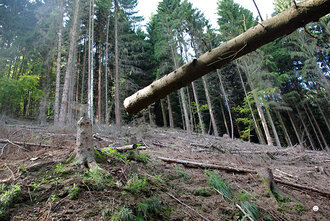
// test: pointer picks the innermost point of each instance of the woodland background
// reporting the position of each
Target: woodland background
(61, 59)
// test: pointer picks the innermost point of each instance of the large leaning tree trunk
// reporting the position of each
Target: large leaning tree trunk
(265, 32)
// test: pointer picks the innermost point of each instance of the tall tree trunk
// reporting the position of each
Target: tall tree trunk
(90, 62)
(201, 123)
(295, 128)
(82, 92)
(313, 127)
(259, 133)
(224, 117)
(286, 134)
(277, 140)
(318, 128)
(69, 69)
(117, 102)
(163, 112)
(106, 73)
(305, 128)
(325, 119)
(208, 99)
(170, 113)
(99, 96)
(58, 64)
(227, 104)
(192, 125)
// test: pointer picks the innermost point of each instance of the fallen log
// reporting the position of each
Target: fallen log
(24, 144)
(241, 170)
(206, 166)
(265, 32)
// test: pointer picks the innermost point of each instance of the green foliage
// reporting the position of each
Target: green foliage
(7, 197)
(73, 192)
(299, 208)
(251, 210)
(99, 157)
(124, 214)
(98, 178)
(149, 207)
(222, 186)
(136, 156)
(182, 173)
(135, 185)
(203, 191)
(106, 213)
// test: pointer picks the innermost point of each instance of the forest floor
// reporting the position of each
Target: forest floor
(39, 180)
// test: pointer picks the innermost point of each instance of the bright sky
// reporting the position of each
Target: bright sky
(208, 7)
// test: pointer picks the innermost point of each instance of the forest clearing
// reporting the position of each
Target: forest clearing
(104, 119)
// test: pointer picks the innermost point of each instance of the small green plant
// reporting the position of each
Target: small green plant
(106, 213)
(243, 196)
(222, 186)
(182, 173)
(251, 210)
(53, 197)
(35, 186)
(59, 168)
(136, 156)
(73, 192)
(7, 197)
(150, 207)
(124, 214)
(22, 170)
(202, 191)
(299, 208)
(135, 185)
(99, 157)
(97, 178)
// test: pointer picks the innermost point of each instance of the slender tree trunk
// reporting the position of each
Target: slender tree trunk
(58, 64)
(259, 133)
(163, 112)
(295, 128)
(82, 92)
(192, 125)
(227, 104)
(305, 128)
(170, 113)
(69, 70)
(106, 73)
(224, 117)
(325, 119)
(99, 96)
(90, 62)
(117, 102)
(208, 99)
(28, 105)
(318, 128)
(286, 134)
(313, 127)
(278, 143)
(201, 123)
(257, 10)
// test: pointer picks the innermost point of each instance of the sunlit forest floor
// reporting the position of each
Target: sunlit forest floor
(39, 180)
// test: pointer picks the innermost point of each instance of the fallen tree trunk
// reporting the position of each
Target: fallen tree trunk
(265, 32)
(242, 170)
(126, 148)
(206, 166)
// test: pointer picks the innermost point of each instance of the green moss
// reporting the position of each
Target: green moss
(99, 157)
(203, 191)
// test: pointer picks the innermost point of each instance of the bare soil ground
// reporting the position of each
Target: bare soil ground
(47, 179)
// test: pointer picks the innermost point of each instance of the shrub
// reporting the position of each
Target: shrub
(135, 185)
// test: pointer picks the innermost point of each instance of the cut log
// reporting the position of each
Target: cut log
(206, 166)
(265, 32)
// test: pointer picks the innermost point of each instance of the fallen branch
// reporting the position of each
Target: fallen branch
(18, 143)
(10, 171)
(323, 193)
(240, 208)
(206, 166)
(187, 206)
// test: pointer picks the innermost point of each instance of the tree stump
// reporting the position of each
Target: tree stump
(84, 153)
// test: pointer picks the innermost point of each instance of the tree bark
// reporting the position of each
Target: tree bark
(200, 118)
(163, 112)
(58, 64)
(106, 72)
(305, 128)
(69, 69)
(259, 133)
(227, 104)
(287, 137)
(277, 139)
(277, 26)
(170, 113)
(90, 62)
(295, 128)
(117, 102)
(99, 88)
(208, 99)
